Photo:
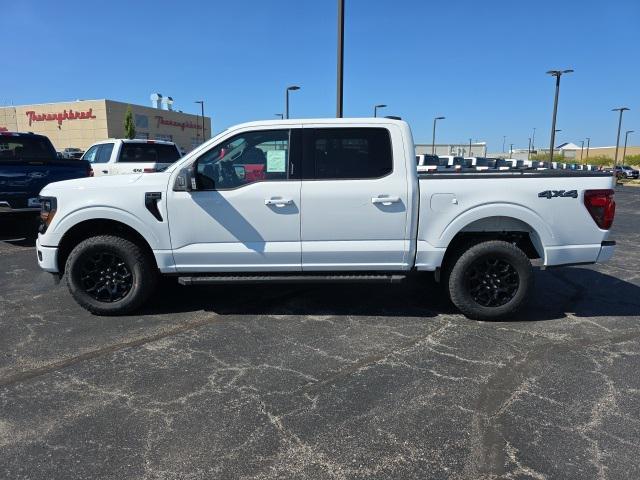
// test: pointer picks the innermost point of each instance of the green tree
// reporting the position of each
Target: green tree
(129, 124)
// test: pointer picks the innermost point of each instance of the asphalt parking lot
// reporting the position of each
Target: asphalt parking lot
(322, 381)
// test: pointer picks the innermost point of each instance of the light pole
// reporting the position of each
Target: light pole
(469, 147)
(375, 109)
(619, 109)
(281, 115)
(433, 138)
(557, 74)
(533, 139)
(286, 103)
(204, 131)
(556, 131)
(510, 150)
(588, 142)
(339, 95)
(581, 150)
(504, 138)
(529, 150)
(624, 152)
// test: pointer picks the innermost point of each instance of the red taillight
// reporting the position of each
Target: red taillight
(601, 207)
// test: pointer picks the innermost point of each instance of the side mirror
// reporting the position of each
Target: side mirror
(186, 180)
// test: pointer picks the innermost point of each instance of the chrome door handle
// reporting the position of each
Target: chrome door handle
(385, 200)
(278, 202)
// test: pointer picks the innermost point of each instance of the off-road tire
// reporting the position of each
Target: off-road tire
(139, 263)
(462, 280)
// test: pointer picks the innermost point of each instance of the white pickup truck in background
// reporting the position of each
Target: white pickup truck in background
(320, 200)
(121, 156)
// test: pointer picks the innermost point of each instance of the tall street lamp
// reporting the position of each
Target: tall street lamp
(433, 138)
(588, 142)
(529, 150)
(204, 131)
(510, 150)
(619, 109)
(581, 149)
(281, 115)
(533, 139)
(469, 147)
(340, 69)
(504, 138)
(624, 152)
(286, 103)
(375, 109)
(557, 74)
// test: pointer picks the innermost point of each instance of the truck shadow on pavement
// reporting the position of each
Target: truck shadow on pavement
(19, 229)
(576, 291)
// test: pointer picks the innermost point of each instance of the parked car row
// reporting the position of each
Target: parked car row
(625, 171)
(29, 162)
(452, 163)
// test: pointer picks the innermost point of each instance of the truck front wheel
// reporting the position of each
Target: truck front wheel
(490, 281)
(110, 275)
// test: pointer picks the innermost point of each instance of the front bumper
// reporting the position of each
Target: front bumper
(47, 257)
(6, 207)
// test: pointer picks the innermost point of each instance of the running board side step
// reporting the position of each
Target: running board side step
(311, 278)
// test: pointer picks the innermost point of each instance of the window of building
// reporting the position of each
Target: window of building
(351, 153)
(243, 159)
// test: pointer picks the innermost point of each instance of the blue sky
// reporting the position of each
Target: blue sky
(479, 63)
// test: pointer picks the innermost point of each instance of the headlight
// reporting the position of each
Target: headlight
(48, 207)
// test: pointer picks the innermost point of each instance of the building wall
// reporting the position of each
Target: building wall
(155, 124)
(477, 149)
(82, 123)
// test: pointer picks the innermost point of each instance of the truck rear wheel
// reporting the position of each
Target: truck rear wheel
(490, 281)
(110, 275)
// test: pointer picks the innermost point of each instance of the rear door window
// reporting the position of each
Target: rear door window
(347, 153)
(135, 152)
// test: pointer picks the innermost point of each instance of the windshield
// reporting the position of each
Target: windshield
(25, 148)
(431, 160)
(482, 162)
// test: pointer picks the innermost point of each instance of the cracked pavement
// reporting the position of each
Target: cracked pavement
(330, 381)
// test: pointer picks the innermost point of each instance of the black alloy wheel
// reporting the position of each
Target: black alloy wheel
(106, 277)
(492, 281)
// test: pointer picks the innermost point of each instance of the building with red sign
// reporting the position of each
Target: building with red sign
(84, 122)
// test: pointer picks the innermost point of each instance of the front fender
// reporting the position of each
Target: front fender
(53, 236)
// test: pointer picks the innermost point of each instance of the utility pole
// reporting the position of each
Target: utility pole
(621, 110)
(557, 74)
(529, 151)
(624, 152)
(588, 142)
(340, 82)
(433, 138)
(581, 150)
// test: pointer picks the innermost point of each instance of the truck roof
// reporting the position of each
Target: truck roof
(328, 121)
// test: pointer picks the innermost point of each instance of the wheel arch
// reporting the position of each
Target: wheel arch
(98, 226)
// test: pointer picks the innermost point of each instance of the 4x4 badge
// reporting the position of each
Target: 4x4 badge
(549, 194)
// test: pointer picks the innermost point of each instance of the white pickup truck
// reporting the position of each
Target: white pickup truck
(116, 156)
(320, 200)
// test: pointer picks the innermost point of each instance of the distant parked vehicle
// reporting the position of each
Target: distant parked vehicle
(122, 156)
(72, 153)
(28, 163)
(427, 163)
(480, 163)
(625, 171)
(452, 160)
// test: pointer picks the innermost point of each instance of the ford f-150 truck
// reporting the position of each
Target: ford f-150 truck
(28, 162)
(337, 200)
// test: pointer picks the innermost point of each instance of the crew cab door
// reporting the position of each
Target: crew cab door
(354, 199)
(244, 214)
